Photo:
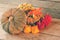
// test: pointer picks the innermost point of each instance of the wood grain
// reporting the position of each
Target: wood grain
(52, 32)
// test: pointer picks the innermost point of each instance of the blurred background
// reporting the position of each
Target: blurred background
(50, 6)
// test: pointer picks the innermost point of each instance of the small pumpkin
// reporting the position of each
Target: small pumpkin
(13, 21)
(27, 29)
(35, 29)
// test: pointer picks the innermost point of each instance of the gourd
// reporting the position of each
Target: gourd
(13, 21)
(31, 29)
(27, 29)
(35, 29)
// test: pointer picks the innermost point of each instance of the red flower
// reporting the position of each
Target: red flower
(48, 19)
(41, 25)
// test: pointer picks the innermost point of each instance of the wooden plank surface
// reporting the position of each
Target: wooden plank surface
(53, 12)
(49, 0)
(51, 7)
(54, 29)
(31, 37)
(46, 4)
(50, 33)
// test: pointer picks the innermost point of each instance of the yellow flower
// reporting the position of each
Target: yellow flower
(26, 6)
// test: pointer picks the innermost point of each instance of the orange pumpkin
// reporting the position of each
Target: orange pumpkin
(13, 21)
(27, 29)
(35, 29)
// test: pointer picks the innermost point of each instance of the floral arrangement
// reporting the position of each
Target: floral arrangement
(36, 20)
(25, 18)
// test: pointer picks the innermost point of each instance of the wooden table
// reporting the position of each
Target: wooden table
(50, 33)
